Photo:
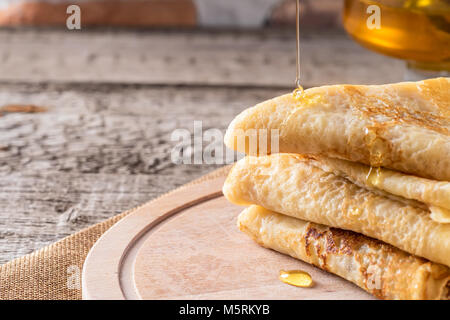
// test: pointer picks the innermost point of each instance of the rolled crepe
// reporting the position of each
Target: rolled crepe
(378, 268)
(403, 126)
(434, 194)
(290, 184)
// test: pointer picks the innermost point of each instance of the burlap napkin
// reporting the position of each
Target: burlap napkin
(53, 272)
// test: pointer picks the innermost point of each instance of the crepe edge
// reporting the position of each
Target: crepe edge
(241, 189)
(428, 280)
(437, 205)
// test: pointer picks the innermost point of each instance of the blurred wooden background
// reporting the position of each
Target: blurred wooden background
(172, 13)
(97, 141)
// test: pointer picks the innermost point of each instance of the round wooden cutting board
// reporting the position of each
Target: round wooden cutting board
(185, 245)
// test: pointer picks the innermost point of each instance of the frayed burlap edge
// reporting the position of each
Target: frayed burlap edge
(49, 273)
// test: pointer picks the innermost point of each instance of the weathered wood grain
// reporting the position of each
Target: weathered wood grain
(216, 58)
(37, 209)
(98, 150)
(125, 131)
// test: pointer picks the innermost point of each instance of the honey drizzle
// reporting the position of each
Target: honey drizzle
(297, 278)
(374, 177)
(375, 145)
(298, 92)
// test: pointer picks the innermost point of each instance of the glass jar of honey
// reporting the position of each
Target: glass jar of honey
(417, 31)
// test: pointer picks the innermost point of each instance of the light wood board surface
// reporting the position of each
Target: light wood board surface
(186, 245)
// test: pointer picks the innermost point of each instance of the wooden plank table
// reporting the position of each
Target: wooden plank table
(112, 100)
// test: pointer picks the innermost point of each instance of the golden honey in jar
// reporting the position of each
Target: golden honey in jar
(417, 31)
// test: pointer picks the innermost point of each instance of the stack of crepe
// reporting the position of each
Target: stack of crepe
(360, 186)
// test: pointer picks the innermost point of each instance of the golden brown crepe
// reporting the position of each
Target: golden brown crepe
(380, 269)
(434, 194)
(291, 184)
(403, 126)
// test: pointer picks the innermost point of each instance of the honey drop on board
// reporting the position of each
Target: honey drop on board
(296, 278)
